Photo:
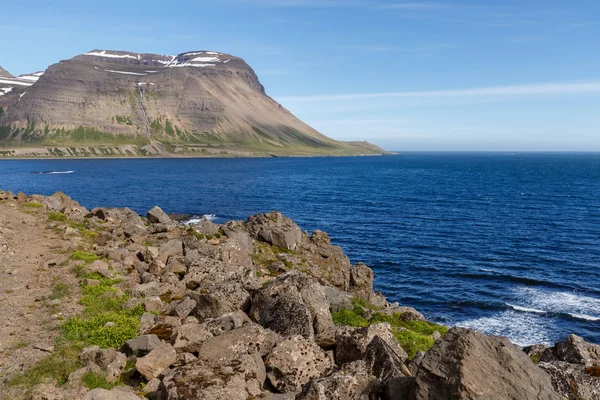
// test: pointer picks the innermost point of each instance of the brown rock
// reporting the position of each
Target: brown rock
(155, 362)
(466, 364)
(293, 362)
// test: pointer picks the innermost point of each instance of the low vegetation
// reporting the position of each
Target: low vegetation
(57, 216)
(105, 321)
(32, 205)
(413, 336)
(56, 366)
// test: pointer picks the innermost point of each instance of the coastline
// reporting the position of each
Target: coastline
(265, 279)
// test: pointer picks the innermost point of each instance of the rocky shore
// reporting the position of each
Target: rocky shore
(108, 305)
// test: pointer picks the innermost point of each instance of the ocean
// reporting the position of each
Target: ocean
(508, 244)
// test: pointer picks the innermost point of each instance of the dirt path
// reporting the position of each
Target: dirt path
(36, 293)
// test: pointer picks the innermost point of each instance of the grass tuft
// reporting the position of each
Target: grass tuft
(93, 380)
(54, 367)
(413, 336)
(59, 290)
(57, 216)
(33, 205)
(84, 256)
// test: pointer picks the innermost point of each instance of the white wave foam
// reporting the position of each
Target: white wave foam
(585, 317)
(196, 220)
(571, 303)
(523, 329)
(58, 172)
(487, 270)
(526, 309)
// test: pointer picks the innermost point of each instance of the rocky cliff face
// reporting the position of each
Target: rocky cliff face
(196, 101)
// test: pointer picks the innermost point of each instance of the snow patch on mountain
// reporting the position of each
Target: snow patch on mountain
(103, 53)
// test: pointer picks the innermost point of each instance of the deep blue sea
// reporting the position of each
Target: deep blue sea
(507, 244)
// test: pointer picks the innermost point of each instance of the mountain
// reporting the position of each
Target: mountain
(122, 103)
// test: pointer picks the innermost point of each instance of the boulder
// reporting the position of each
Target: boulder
(294, 361)
(465, 364)
(155, 362)
(190, 337)
(231, 380)
(219, 300)
(573, 381)
(183, 308)
(276, 229)
(248, 339)
(142, 345)
(172, 248)
(404, 313)
(293, 304)
(352, 382)
(227, 322)
(352, 343)
(574, 350)
(361, 281)
(383, 362)
(158, 216)
(60, 202)
(154, 304)
(339, 300)
(110, 361)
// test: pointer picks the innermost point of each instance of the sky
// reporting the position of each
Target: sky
(510, 75)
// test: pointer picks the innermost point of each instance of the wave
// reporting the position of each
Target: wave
(197, 219)
(559, 304)
(526, 309)
(53, 172)
(584, 317)
(523, 329)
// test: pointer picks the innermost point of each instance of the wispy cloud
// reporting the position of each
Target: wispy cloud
(514, 90)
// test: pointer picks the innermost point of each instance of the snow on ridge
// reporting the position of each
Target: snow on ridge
(15, 82)
(38, 73)
(206, 59)
(125, 72)
(192, 65)
(6, 90)
(29, 78)
(103, 53)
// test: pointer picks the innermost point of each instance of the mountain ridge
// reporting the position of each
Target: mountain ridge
(194, 103)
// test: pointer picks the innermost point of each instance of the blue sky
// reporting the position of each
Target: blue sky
(415, 75)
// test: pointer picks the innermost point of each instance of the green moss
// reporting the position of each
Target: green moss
(84, 256)
(535, 358)
(123, 120)
(413, 336)
(56, 367)
(104, 321)
(364, 304)
(57, 216)
(412, 342)
(349, 318)
(33, 205)
(107, 329)
(93, 380)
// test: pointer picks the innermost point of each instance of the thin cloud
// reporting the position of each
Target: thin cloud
(514, 90)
